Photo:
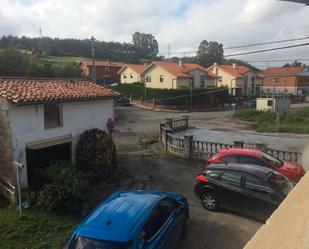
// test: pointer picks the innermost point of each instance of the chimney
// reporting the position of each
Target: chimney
(234, 65)
(145, 65)
(215, 64)
(180, 63)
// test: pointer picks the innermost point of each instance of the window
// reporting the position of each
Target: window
(124, 76)
(253, 79)
(106, 69)
(231, 178)
(52, 116)
(230, 159)
(83, 242)
(158, 217)
(131, 75)
(256, 185)
(269, 102)
(214, 175)
(202, 81)
(148, 78)
(272, 159)
(251, 160)
(161, 78)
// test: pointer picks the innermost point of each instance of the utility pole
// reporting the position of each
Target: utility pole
(94, 74)
(40, 41)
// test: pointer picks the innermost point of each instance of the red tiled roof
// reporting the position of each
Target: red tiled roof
(31, 91)
(238, 71)
(281, 71)
(175, 69)
(191, 66)
(103, 63)
(138, 68)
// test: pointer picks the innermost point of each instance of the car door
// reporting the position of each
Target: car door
(161, 231)
(260, 201)
(229, 191)
(175, 215)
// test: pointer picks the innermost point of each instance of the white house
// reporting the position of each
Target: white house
(41, 120)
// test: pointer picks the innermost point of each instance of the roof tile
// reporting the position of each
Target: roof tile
(31, 91)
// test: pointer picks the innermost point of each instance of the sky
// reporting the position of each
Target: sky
(182, 23)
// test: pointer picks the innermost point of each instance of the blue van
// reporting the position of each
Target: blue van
(134, 220)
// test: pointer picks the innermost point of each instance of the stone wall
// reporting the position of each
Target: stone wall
(6, 154)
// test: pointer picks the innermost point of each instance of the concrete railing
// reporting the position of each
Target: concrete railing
(189, 148)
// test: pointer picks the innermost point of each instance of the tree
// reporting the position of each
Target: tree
(209, 53)
(145, 44)
(294, 64)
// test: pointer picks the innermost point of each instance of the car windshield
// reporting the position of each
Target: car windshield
(87, 243)
(279, 183)
(272, 159)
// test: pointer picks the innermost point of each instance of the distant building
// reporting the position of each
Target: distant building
(132, 73)
(41, 120)
(106, 71)
(170, 75)
(292, 80)
(239, 80)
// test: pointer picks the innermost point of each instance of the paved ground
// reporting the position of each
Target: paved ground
(154, 170)
(206, 230)
(136, 124)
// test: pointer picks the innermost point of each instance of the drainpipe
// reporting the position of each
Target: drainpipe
(19, 167)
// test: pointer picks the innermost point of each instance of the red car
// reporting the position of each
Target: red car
(251, 156)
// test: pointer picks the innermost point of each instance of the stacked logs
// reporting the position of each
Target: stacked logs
(96, 155)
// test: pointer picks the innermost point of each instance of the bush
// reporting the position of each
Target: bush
(96, 155)
(137, 91)
(65, 189)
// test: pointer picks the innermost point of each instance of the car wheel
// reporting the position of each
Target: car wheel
(209, 201)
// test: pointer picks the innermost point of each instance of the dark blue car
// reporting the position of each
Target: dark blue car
(134, 220)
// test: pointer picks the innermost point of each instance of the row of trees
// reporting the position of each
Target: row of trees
(143, 47)
(21, 64)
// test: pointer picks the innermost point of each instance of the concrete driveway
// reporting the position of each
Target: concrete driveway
(206, 230)
(154, 170)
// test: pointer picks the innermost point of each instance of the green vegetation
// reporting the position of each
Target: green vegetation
(34, 229)
(64, 191)
(137, 91)
(296, 120)
(22, 64)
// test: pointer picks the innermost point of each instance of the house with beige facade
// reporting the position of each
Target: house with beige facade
(239, 80)
(171, 75)
(131, 73)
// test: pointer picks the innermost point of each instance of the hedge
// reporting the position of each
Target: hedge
(137, 91)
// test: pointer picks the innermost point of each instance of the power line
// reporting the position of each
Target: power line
(267, 50)
(279, 60)
(244, 46)
(267, 43)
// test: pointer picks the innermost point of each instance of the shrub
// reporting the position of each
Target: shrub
(65, 189)
(96, 155)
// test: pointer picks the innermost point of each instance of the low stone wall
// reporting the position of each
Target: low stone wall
(7, 179)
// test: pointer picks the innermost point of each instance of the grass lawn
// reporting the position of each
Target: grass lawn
(34, 229)
(296, 120)
(62, 59)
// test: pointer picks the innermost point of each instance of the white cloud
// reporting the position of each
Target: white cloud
(184, 23)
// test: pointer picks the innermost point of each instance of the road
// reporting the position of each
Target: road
(136, 124)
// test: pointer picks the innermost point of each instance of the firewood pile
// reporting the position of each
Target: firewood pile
(96, 155)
